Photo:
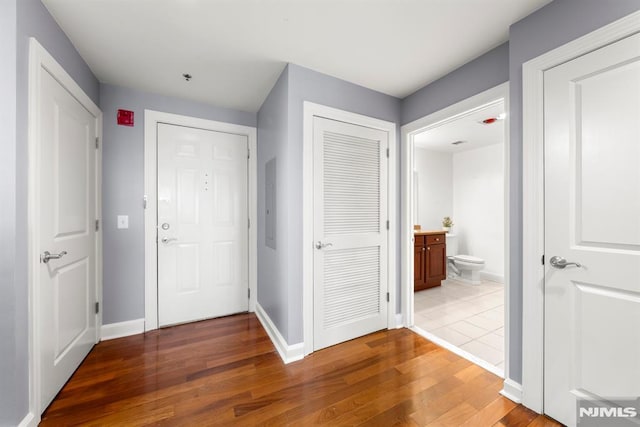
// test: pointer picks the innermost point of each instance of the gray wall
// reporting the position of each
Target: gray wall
(487, 71)
(299, 84)
(23, 19)
(273, 264)
(552, 26)
(123, 190)
(12, 404)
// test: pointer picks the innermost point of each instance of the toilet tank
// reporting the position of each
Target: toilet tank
(452, 244)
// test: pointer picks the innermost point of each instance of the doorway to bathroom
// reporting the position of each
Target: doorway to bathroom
(455, 221)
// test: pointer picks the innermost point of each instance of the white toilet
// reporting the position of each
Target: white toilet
(463, 267)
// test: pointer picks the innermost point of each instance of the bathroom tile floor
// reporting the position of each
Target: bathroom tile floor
(470, 317)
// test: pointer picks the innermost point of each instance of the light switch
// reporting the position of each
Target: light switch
(123, 221)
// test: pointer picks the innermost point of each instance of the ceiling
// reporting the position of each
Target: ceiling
(467, 128)
(236, 49)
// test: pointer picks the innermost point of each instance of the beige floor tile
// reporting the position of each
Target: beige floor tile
(451, 336)
(468, 329)
(494, 340)
(483, 351)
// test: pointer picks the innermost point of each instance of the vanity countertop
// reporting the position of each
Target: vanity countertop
(428, 233)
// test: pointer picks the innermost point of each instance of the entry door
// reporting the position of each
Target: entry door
(592, 217)
(202, 224)
(350, 231)
(67, 236)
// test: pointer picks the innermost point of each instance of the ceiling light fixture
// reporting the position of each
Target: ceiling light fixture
(492, 120)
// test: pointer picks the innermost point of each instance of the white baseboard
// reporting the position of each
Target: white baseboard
(460, 352)
(288, 353)
(29, 421)
(121, 329)
(487, 275)
(512, 390)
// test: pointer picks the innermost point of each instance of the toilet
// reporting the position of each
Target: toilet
(462, 267)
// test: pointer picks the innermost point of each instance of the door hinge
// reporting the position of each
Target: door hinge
(248, 153)
(249, 293)
(387, 296)
(387, 224)
(97, 225)
(97, 307)
(97, 142)
(387, 153)
(144, 202)
(542, 260)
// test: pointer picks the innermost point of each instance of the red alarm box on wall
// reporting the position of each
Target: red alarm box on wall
(125, 118)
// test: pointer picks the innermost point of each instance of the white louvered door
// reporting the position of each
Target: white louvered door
(350, 232)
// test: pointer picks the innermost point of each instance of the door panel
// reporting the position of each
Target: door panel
(67, 200)
(203, 200)
(350, 211)
(592, 216)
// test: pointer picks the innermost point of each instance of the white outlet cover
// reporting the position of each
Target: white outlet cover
(123, 221)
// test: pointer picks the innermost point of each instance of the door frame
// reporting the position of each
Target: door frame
(151, 120)
(409, 132)
(533, 196)
(41, 61)
(312, 110)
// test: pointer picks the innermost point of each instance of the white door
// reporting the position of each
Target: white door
(592, 217)
(350, 231)
(67, 200)
(202, 224)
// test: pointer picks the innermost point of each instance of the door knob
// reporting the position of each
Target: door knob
(49, 256)
(168, 239)
(320, 245)
(560, 263)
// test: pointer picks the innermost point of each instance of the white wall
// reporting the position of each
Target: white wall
(434, 171)
(478, 205)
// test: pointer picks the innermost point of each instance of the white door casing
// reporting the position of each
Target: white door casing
(592, 216)
(409, 132)
(350, 234)
(153, 119)
(203, 224)
(64, 243)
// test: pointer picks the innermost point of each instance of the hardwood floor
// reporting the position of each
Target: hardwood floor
(227, 372)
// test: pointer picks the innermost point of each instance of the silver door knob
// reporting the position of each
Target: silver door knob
(560, 263)
(168, 239)
(46, 256)
(320, 245)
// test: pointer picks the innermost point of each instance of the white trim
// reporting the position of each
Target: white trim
(39, 60)
(512, 390)
(408, 132)
(457, 350)
(151, 120)
(533, 197)
(288, 353)
(29, 421)
(494, 277)
(312, 110)
(122, 329)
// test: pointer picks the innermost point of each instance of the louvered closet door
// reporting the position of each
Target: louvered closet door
(350, 234)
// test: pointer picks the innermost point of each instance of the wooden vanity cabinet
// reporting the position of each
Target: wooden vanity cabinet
(430, 260)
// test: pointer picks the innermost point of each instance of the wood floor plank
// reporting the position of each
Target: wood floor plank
(226, 372)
